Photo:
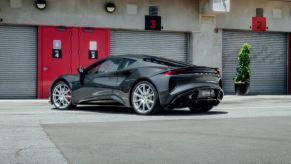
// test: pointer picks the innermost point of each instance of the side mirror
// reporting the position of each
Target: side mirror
(81, 70)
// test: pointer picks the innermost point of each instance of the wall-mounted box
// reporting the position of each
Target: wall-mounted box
(214, 7)
(16, 4)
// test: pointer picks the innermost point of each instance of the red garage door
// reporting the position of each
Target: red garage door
(62, 50)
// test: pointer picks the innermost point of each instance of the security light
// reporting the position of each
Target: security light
(110, 7)
(40, 4)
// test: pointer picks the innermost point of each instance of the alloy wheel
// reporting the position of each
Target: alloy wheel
(143, 98)
(62, 96)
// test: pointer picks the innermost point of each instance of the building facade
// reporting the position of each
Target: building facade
(36, 45)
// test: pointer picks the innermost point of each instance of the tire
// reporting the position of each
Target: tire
(200, 109)
(145, 99)
(61, 96)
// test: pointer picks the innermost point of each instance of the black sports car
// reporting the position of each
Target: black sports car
(148, 84)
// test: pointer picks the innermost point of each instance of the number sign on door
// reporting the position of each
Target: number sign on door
(153, 23)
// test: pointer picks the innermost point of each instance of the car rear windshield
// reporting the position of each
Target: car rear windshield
(166, 62)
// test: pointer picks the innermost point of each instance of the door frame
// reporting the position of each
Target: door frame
(289, 64)
(288, 54)
(39, 62)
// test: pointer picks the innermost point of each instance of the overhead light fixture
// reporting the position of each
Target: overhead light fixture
(40, 4)
(110, 7)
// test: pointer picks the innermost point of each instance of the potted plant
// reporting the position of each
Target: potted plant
(242, 77)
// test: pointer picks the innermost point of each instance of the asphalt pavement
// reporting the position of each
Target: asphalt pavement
(251, 129)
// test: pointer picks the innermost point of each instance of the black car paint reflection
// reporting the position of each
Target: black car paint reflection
(177, 84)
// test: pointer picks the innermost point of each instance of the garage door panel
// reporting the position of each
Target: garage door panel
(162, 44)
(268, 61)
(18, 62)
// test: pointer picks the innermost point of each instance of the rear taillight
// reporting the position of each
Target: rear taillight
(203, 71)
(175, 71)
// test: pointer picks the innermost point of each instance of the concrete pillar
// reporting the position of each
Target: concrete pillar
(207, 43)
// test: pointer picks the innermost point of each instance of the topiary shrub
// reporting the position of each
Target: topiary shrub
(243, 71)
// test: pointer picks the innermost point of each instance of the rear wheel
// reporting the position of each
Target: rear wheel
(200, 109)
(145, 99)
(61, 96)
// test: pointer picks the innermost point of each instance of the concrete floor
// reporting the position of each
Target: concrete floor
(252, 129)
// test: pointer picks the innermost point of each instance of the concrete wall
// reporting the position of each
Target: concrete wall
(207, 44)
(177, 15)
(242, 11)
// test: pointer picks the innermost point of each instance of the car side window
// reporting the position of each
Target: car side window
(126, 63)
(109, 65)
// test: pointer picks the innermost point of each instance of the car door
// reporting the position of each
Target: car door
(99, 81)
(124, 76)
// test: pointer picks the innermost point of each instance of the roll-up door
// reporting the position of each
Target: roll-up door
(268, 61)
(162, 44)
(18, 62)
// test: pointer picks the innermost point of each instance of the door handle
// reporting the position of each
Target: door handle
(45, 68)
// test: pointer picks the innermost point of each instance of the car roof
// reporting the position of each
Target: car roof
(152, 58)
(132, 56)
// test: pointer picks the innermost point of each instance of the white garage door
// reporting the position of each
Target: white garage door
(162, 44)
(18, 62)
(268, 61)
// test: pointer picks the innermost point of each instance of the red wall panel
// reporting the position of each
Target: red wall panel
(75, 45)
(39, 64)
(75, 50)
(99, 40)
(54, 39)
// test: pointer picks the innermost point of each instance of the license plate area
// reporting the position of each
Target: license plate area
(206, 93)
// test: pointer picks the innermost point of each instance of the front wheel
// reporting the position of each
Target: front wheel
(61, 96)
(145, 98)
(200, 109)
